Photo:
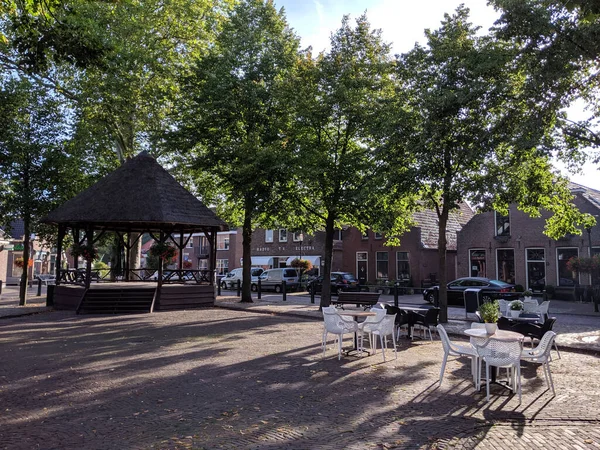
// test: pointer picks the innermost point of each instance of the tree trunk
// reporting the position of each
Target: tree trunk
(326, 288)
(26, 257)
(443, 291)
(135, 251)
(246, 252)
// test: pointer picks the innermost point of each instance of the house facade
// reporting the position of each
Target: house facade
(366, 255)
(11, 244)
(514, 249)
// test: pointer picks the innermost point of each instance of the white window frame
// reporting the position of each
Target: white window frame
(268, 236)
(222, 264)
(297, 235)
(527, 261)
(377, 265)
(402, 260)
(496, 225)
(283, 231)
(486, 262)
(365, 236)
(224, 241)
(558, 270)
(366, 259)
(378, 236)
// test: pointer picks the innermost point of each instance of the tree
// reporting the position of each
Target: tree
(231, 121)
(559, 49)
(37, 169)
(336, 98)
(464, 98)
(117, 63)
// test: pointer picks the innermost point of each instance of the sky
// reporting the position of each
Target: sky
(402, 23)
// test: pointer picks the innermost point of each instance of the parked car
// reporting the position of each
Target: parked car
(172, 275)
(230, 280)
(494, 289)
(340, 282)
(271, 279)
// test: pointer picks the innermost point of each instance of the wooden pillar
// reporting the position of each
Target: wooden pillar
(161, 239)
(89, 240)
(180, 265)
(127, 253)
(59, 248)
(213, 256)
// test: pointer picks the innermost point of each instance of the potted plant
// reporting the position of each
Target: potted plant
(527, 294)
(516, 307)
(490, 312)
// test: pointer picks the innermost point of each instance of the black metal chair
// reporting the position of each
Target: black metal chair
(402, 317)
(428, 320)
(537, 331)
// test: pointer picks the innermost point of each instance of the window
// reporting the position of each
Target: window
(190, 243)
(402, 266)
(337, 235)
(382, 265)
(506, 264)
(298, 236)
(565, 276)
(378, 235)
(365, 236)
(477, 263)
(362, 266)
(222, 266)
(222, 242)
(203, 264)
(268, 235)
(502, 225)
(282, 235)
(536, 268)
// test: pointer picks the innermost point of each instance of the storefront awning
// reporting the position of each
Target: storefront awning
(262, 260)
(314, 260)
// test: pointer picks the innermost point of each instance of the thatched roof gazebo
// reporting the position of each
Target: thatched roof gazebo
(138, 197)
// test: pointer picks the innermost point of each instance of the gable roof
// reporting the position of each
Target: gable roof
(140, 195)
(15, 230)
(591, 195)
(427, 220)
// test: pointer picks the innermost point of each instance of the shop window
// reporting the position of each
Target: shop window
(477, 263)
(382, 265)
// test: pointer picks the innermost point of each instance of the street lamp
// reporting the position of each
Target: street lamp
(301, 237)
(589, 230)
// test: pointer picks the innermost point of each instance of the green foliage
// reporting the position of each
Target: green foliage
(302, 264)
(519, 288)
(517, 305)
(527, 293)
(550, 289)
(490, 311)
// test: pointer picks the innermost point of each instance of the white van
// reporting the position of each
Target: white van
(271, 279)
(230, 280)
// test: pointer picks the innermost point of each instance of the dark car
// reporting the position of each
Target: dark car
(340, 282)
(493, 289)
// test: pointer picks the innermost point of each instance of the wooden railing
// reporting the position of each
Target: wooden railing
(77, 276)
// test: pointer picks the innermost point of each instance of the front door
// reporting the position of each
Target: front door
(362, 267)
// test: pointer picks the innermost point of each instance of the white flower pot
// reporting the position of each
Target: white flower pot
(491, 328)
(515, 313)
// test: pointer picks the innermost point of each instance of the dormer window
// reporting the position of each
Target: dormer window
(502, 224)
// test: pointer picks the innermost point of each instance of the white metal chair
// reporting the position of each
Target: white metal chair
(501, 354)
(541, 355)
(542, 310)
(370, 324)
(452, 349)
(530, 306)
(503, 307)
(384, 329)
(336, 324)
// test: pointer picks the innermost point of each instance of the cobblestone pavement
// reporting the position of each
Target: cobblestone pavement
(228, 379)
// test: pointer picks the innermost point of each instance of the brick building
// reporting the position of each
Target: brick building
(513, 248)
(365, 255)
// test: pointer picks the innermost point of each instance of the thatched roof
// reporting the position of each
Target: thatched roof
(138, 196)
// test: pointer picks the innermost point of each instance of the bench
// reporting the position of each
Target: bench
(47, 279)
(365, 299)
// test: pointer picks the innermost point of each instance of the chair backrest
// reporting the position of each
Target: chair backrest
(431, 316)
(543, 307)
(444, 337)
(332, 320)
(379, 315)
(501, 353)
(530, 306)
(503, 306)
(545, 346)
(387, 325)
(548, 325)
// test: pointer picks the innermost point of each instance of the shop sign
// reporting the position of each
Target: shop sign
(19, 247)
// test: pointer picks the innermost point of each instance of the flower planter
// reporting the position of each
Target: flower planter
(491, 328)
(515, 313)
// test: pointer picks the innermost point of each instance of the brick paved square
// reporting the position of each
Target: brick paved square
(219, 378)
